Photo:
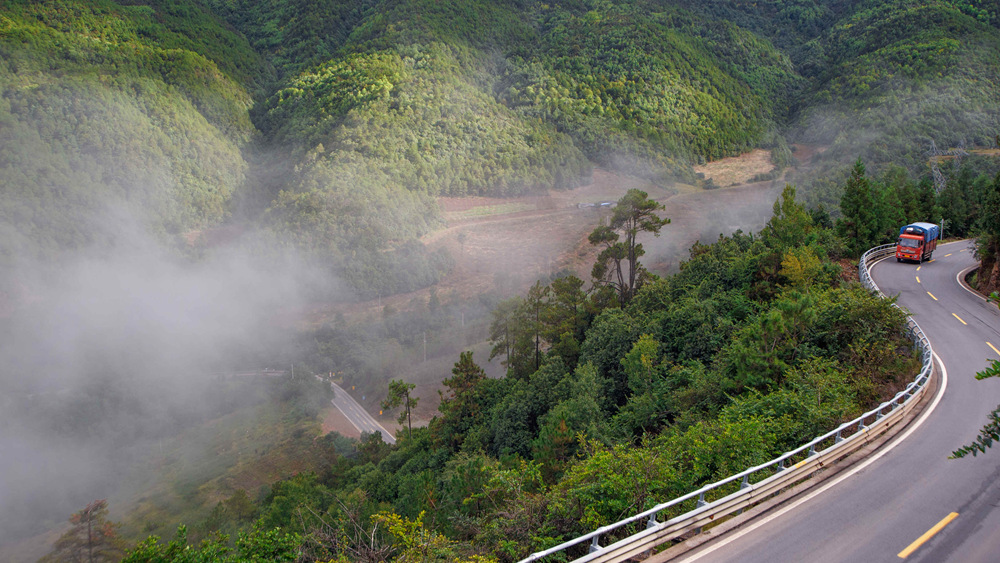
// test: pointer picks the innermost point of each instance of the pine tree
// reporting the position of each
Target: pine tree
(859, 225)
(399, 394)
(618, 265)
(91, 538)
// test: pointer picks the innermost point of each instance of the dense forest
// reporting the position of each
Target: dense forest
(326, 126)
(323, 132)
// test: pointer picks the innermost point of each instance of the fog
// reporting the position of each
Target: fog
(115, 346)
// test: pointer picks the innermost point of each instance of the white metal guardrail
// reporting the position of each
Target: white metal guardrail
(757, 483)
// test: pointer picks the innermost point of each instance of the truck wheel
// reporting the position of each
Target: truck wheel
(899, 259)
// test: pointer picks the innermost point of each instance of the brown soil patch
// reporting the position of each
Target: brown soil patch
(734, 170)
(335, 421)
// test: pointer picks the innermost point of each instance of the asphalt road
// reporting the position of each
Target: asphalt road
(883, 508)
(358, 416)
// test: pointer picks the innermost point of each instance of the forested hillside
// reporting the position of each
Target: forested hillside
(113, 113)
(332, 125)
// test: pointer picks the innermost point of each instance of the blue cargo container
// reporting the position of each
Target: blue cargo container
(917, 241)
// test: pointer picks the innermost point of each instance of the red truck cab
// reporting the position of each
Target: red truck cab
(917, 242)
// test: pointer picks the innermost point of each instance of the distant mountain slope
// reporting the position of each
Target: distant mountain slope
(332, 124)
(897, 75)
(426, 98)
(113, 111)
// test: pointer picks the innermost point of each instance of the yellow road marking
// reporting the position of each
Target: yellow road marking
(959, 319)
(918, 268)
(947, 255)
(918, 279)
(932, 296)
(994, 348)
(928, 535)
(931, 260)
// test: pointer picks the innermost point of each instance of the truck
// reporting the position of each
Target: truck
(917, 242)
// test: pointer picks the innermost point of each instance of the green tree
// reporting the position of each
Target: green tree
(506, 325)
(258, 545)
(91, 537)
(566, 318)
(461, 407)
(859, 226)
(399, 394)
(576, 417)
(618, 265)
(536, 302)
(608, 340)
(988, 240)
(642, 364)
(790, 223)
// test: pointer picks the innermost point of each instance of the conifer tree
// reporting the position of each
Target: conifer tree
(618, 265)
(859, 225)
(90, 539)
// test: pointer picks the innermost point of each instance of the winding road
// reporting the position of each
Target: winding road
(907, 501)
(357, 415)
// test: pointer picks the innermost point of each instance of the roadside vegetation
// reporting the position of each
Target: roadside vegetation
(611, 404)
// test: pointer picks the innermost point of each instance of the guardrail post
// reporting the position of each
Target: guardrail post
(744, 484)
(701, 503)
(839, 438)
(651, 523)
(594, 546)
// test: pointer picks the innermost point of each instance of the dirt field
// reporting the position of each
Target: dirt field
(735, 170)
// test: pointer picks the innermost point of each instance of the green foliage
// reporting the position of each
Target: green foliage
(462, 406)
(871, 212)
(608, 340)
(638, 79)
(399, 394)
(258, 546)
(613, 483)
(107, 106)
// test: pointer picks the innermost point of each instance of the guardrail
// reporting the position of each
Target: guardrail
(744, 489)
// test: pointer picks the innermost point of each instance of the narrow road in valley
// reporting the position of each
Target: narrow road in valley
(911, 503)
(359, 417)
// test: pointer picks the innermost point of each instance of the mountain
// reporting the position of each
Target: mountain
(331, 126)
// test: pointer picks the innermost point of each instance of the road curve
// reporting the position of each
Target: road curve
(880, 512)
(359, 417)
